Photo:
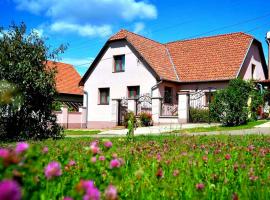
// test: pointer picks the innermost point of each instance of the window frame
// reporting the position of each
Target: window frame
(137, 91)
(171, 95)
(123, 63)
(100, 96)
(253, 67)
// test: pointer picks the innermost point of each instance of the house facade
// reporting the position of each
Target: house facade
(135, 73)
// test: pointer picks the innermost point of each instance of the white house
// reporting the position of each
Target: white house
(135, 73)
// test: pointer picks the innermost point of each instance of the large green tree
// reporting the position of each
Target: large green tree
(27, 87)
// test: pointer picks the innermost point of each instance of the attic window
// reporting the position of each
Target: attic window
(252, 70)
(119, 63)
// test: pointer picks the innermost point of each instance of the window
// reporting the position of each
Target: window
(119, 63)
(168, 95)
(133, 91)
(104, 96)
(252, 70)
(209, 96)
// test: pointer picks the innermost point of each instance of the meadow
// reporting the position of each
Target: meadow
(152, 167)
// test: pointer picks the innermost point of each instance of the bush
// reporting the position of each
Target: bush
(146, 119)
(26, 108)
(230, 105)
(199, 115)
(129, 116)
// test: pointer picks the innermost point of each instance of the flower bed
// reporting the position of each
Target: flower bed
(207, 167)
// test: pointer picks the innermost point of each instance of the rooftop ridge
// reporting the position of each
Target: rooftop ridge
(207, 37)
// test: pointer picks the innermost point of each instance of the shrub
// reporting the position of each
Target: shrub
(199, 115)
(230, 105)
(145, 119)
(129, 116)
(23, 66)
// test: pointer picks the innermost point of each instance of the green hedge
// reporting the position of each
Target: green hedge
(199, 115)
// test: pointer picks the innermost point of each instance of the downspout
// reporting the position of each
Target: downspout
(86, 95)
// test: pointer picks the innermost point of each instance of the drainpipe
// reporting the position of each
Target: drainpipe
(268, 42)
(86, 102)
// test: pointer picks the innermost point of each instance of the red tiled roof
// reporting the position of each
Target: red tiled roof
(67, 78)
(211, 58)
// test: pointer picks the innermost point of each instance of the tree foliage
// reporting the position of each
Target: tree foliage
(230, 106)
(27, 86)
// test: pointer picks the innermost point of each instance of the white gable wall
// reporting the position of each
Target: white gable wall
(253, 58)
(136, 74)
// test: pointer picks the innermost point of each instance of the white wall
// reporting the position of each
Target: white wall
(136, 74)
(253, 57)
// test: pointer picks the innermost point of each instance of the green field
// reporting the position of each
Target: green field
(81, 132)
(156, 167)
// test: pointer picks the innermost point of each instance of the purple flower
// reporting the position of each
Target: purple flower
(45, 150)
(91, 192)
(68, 198)
(10, 190)
(111, 193)
(53, 169)
(115, 163)
(102, 158)
(4, 153)
(94, 147)
(21, 147)
(108, 144)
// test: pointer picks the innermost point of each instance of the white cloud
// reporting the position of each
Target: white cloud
(138, 27)
(38, 31)
(82, 30)
(89, 17)
(90, 10)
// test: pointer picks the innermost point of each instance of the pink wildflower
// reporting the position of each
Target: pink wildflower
(10, 190)
(115, 163)
(108, 144)
(159, 173)
(227, 156)
(94, 159)
(4, 153)
(200, 186)
(102, 158)
(45, 150)
(111, 193)
(176, 172)
(72, 163)
(68, 198)
(91, 192)
(53, 169)
(21, 147)
(94, 148)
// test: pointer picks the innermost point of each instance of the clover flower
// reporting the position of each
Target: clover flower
(21, 147)
(115, 163)
(111, 193)
(53, 169)
(10, 190)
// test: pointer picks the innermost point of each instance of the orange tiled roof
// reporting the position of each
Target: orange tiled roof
(67, 78)
(203, 59)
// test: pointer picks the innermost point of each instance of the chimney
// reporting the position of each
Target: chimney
(268, 42)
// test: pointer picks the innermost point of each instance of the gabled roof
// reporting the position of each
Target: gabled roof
(67, 78)
(212, 58)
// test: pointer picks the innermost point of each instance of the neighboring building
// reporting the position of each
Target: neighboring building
(135, 73)
(67, 85)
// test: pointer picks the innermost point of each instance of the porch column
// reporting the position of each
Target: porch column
(156, 108)
(83, 112)
(115, 110)
(132, 105)
(64, 116)
(183, 107)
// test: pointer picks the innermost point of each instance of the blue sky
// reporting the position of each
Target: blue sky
(86, 24)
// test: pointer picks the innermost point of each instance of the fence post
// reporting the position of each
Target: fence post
(132, 105)
(83, 112)
(156, 108)
(64, 116)
(183, 106)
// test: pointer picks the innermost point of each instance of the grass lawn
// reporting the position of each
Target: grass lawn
(249, 125)
(151, 167)
(81, 132)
